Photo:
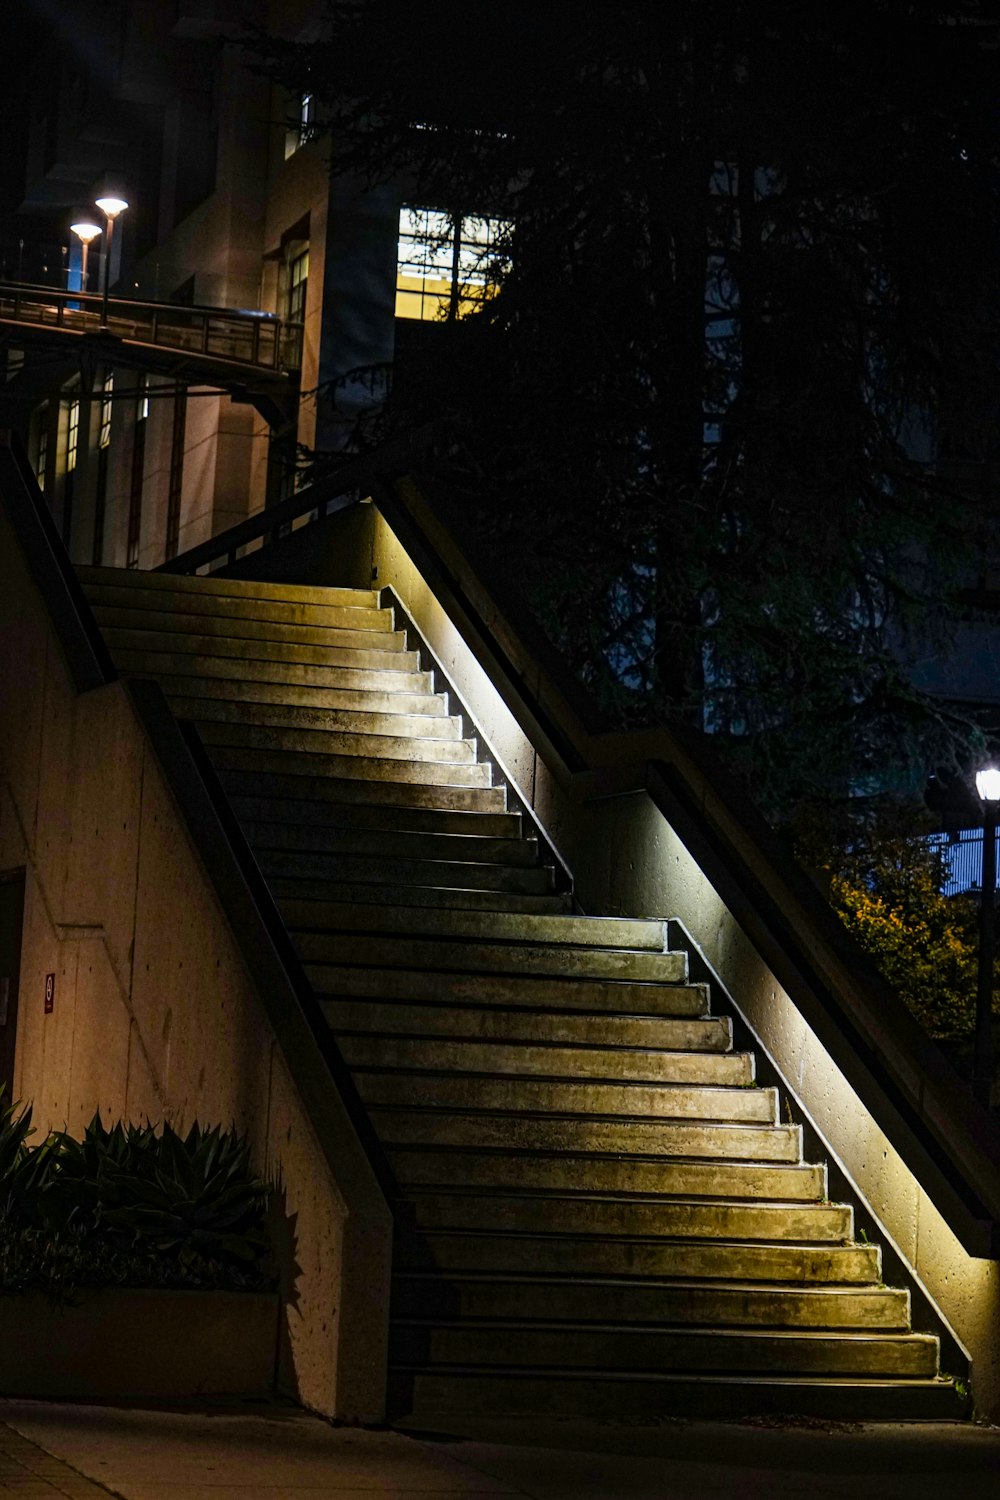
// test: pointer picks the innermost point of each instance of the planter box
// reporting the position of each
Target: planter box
(124, 1343)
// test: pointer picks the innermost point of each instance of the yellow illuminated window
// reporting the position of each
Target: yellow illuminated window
(72, 434)
(447, 266)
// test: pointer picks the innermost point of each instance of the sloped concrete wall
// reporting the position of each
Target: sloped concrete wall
(628, 861)
(153, 1012)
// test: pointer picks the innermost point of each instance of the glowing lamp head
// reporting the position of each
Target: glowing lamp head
(988, 784)
(85, 230)
(111, 206)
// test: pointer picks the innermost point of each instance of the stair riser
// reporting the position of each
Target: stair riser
(319, 815)
(192, 606)
(233, 589)
(519, 958)
(611, 1218)
(611, 1302)
(595, 932)
(522, 1132)
(210, 675)
(232, 751)
(319, 703)
(874, 1356)
(381, 1051)
(664, 1000)
(541, 1096)
(374, 748)
(171, 630)
(419, 728)
(509, 1254)
(436, 1399)
(248, 773)
(382, 869)
(252, 649)
(379, 844)
(772, 1183)
(713, 1034)
(425, 898)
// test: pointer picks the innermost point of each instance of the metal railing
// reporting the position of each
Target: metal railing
(257, 340)
(320, 499)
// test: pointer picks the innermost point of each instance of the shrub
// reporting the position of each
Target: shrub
(129, 1205)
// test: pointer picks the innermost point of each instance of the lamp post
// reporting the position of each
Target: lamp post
(110, 206)
(85, 230)
(988, 787)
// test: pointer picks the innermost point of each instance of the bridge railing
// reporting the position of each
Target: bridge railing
(258, 340)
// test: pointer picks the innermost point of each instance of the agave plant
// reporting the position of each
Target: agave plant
(190, 1195)
(25, 1174)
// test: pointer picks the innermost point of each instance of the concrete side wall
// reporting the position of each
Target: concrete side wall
(628, 861)
(154, 1013)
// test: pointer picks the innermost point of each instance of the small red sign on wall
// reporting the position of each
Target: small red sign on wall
(50, 993)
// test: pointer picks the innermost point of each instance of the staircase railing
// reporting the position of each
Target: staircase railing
(261, 341)
(353, 480)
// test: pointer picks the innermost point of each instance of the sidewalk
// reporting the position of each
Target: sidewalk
(275, 1452)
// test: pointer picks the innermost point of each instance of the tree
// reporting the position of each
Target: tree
(884, 878)
(752, 275)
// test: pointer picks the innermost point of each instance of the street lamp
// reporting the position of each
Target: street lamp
(110, 206)
(85, 230)
(988, 787)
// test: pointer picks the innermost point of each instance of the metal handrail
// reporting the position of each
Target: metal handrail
(256, 340)
(326, 496)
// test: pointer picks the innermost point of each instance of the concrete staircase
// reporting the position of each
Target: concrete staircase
(599, 1211)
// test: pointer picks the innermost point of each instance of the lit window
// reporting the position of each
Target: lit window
(447, 267)
(142, 402)
(298, 281)
(303, 127)
(107, 390)
(72, 434)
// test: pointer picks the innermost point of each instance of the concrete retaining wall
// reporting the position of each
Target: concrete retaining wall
(153, 1012)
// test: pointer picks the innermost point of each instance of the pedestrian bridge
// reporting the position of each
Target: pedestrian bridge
(254, 356)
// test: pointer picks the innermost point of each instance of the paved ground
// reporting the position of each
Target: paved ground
(273, 1452)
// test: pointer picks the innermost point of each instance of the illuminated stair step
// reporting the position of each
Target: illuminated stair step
(515, 990)
(192, 604)
(354, 723)
(209, 674)
(490, 1024)
(340, 743)
(190, 627)
(326, 655)
(385, 843)
(608, 1300)
(709, 1260)
(587, 1134)
(400, 951)
(606, 1219)
(152, 584)
(427, 1051)
(421, 1166)
(538, 1096)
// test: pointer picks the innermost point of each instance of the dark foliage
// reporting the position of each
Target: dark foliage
(129, 1206)
(752, 287)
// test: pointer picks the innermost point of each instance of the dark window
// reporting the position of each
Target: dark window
(176, 483)
(138, 466)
